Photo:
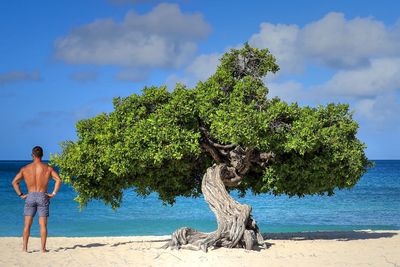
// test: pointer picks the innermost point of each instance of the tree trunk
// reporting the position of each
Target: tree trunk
(236, 227)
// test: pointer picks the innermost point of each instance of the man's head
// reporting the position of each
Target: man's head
(37, 152)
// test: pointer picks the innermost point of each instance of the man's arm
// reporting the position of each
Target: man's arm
(15, 183)
(57, 179)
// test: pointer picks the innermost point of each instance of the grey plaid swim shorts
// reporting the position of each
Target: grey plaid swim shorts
(37, 201)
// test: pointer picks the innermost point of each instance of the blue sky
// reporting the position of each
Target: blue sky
(62, 61)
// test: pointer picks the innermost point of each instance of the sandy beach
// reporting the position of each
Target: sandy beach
(349, 248)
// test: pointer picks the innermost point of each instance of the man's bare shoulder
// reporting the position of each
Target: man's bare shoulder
(26, 167)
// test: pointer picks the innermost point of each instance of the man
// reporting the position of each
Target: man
(36, 176)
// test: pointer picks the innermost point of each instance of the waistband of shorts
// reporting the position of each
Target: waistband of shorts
(37, 193)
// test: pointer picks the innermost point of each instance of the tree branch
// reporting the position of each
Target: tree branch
(212, 151)
(237, 160)
(230, 146)
(218, 152)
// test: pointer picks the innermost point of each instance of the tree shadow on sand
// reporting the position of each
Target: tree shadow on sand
(140, 241)
(329, 235)
(92, 245)
(297, 236)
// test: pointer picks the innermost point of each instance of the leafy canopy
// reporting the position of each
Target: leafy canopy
(152, 142)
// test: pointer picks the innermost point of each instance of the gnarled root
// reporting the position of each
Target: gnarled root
(236, 227)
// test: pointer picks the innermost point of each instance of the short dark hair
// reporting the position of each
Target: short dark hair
(37, 151)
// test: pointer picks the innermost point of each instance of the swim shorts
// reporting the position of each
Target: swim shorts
(37, 201)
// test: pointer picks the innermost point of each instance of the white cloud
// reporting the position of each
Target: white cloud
(380, 111)
(381, 76)
(338, 42)
(365, 108)
(164, 37)
(18, 76)
(200, 69)
(204, 66)
(331, 41)
(290, 91)
(173, 79)
(282, 41)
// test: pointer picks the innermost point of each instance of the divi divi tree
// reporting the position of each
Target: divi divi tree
(224, 134)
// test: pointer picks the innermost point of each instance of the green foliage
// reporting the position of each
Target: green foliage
(152, 142)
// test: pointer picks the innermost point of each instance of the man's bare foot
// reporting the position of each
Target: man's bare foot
(24, 250)
(44, 250)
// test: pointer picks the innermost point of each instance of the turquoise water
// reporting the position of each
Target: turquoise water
(374, 203)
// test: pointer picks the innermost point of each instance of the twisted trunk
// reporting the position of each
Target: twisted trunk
(236, 227)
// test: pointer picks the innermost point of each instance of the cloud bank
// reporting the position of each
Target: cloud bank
(165, 37)
(331, 41)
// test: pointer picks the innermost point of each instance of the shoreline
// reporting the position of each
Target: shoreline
(318, 248)
(313, 234)
(274, 233)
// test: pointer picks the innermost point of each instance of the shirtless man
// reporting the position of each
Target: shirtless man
(36, 176)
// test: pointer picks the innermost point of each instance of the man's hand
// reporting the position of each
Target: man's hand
(24, 196)
(50, 195)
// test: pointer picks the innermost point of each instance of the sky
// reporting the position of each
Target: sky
(63, 61)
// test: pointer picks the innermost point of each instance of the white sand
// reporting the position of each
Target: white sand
(357, 248)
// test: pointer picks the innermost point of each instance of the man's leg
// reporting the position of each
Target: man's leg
(43, 232)
(26, 233)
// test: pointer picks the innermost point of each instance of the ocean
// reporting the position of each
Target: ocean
(374, 203)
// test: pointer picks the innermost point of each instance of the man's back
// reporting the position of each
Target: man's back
(36, 176)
